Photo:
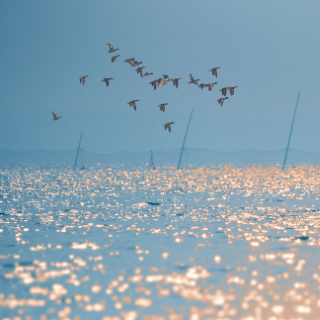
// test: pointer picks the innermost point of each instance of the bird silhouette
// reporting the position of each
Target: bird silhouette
(193, 80)
(168, 126)
(202, 85)
(147, 74)
(113, 59)
(135, 62)
(176, 82)
(221, 101)
(106, 80)
(231, 89)
(210, 85)
(214, 71)
(83, 79)
(224, 91)
(162, 106)
(166, 78)
(139, 70)
(55, 116)
(161, 82)
(129, 61)
(111, 49)
(133, 104)
(154, 83)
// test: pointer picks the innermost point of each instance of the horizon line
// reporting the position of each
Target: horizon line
(142, 152)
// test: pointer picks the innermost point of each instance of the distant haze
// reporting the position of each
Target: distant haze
(189, 157)
(269, 49)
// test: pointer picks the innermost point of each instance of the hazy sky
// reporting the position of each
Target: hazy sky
(269, 49)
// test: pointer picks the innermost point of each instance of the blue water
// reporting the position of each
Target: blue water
(127, 242)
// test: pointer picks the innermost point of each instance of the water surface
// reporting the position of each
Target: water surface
(124, 242)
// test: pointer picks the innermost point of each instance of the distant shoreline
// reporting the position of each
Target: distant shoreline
(192, 156)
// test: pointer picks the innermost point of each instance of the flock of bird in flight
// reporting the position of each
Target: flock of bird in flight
(159, 83)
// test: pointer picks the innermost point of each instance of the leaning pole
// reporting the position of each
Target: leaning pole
(151, 161)
(184, 140)
(75, 164)
(294, 114)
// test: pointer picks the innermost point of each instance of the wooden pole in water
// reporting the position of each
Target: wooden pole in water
(184, 140)
(151, 161)
(75, 164)
(294, 114)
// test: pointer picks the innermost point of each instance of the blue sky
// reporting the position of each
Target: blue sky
(269, 49)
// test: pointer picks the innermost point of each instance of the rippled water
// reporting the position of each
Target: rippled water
(129, 243)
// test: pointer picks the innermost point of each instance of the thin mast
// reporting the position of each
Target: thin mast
(294, 114)
(151, 161)
(75, 165)
(184, 140)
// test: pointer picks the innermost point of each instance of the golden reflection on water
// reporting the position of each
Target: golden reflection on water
(199, 243)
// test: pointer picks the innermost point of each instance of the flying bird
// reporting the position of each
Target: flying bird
(55, 116)
(161, 82)
(135, 62)
(193, 80)
(176, 82)
(162, 106)
(113, 59)
(147, 74)
(129, 61)
(231, 89)
(224, 91)
(139, 70)
(202, 85)
(111, 48)
(214, 71)
(166, 78)
(221, 100)
(168, 126)
(83, 79)
(154, 83)
(133, 104)
(210, 85)
(106, 80)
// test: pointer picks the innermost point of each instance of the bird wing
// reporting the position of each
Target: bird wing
(169, 127)
(191, 77)
(54, 115)
(110, 46)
